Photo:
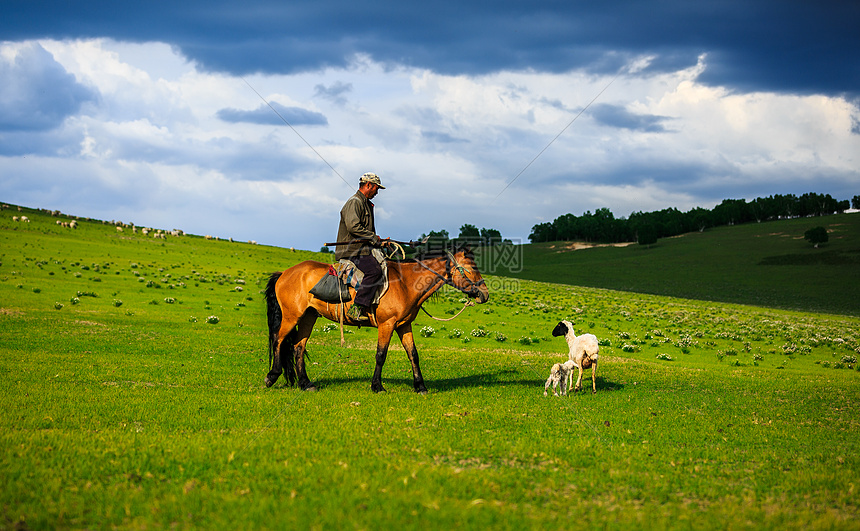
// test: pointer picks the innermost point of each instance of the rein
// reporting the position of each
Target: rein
(469, 302)
(449, 260)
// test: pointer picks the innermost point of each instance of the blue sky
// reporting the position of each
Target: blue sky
(148, 112)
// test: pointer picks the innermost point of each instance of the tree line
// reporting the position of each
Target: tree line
(468, 234)
(648, 227)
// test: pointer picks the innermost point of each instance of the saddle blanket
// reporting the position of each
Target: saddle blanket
(351, 275)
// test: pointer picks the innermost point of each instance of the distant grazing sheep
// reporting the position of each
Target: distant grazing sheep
(25, 219)
(15, 218)
(583, 351)
(559, 375)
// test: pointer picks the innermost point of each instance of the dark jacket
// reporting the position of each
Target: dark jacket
(356, 222)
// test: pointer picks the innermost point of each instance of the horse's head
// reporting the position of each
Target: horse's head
(465, 276)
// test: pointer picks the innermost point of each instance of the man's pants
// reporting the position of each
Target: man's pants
(368, 265)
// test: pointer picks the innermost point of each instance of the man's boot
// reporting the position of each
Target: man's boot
(357, 313)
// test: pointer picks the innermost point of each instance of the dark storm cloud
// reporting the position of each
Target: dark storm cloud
(266, 116)
(795, 46)
(36, 92)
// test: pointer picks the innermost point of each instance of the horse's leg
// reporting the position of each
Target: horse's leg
(304, 328)
(406, 338)
(382, 342)
(283, 342)
(275, 370)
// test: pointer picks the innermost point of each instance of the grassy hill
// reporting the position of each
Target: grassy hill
(133, 398)
(767, 264)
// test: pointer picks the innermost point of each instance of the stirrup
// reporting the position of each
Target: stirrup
(357, 313)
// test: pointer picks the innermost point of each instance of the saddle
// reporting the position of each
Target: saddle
(334, 286)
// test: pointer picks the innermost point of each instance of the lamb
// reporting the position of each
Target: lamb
(583, 352)
(559, 375)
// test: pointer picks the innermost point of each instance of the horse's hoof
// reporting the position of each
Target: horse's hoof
(269, 383)
(311, 389)
(377, 388)
(421, 391)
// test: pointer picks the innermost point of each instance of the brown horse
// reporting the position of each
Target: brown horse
(292, 310)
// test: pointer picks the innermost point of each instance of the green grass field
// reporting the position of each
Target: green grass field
(126, 405)
(764, 264)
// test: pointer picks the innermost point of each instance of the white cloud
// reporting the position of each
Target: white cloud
(149, 146)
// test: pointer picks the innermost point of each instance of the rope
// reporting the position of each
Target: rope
(397, 247)
(469, 302)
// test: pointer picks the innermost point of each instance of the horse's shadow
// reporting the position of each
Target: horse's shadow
(500, 378)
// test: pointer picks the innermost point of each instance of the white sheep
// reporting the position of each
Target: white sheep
(583, 352)
(559, 375)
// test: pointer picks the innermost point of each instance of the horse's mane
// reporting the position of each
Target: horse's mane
(438, 252)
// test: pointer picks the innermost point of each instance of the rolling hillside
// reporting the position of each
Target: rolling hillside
(135, 398)
(767, 264)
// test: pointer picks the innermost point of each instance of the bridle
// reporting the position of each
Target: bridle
(471, 290)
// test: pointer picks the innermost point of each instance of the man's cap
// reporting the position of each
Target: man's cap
(371, 178)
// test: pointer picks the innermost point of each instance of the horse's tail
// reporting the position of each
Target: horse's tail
(274, 316)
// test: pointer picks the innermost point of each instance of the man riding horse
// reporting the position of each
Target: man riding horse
(292, 309)
(358, 228)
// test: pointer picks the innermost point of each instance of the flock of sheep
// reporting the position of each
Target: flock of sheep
(120, 226)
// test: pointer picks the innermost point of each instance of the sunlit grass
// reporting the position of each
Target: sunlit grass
(145, 414)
